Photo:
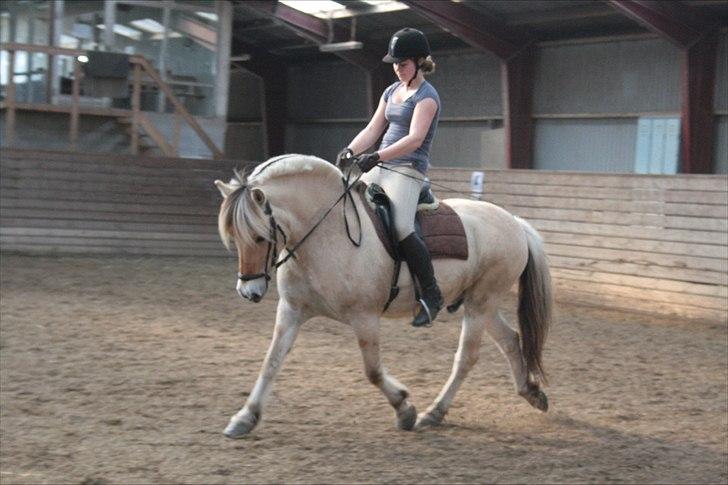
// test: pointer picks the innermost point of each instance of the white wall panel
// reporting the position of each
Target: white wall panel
(468, 84)
(588, 145)
(613, 77)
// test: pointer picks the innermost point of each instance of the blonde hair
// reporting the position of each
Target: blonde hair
(427, 65)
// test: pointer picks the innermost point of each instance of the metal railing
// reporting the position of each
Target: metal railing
(141, 67)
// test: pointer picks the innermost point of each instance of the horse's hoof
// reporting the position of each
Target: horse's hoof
(406, 417)
(237, 428)
(537, 398)
(428, 420)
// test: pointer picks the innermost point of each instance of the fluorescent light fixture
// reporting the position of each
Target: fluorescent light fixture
(148, 25)
(313, 6)
(171, 34)
(240, 58)
(123, 30)
(341, 46)
(212, 17)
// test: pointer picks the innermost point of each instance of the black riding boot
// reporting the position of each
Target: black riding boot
(420, 265)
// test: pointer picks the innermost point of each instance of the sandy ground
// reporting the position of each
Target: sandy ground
(126, 370)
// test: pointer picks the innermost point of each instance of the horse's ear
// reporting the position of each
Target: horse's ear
(224, 188)
(258, 196)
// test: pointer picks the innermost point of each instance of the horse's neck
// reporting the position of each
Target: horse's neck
(306, 211)
(301, 202)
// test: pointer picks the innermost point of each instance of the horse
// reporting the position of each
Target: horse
(281, 216)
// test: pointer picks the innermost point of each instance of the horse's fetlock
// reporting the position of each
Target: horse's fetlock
(374, 376)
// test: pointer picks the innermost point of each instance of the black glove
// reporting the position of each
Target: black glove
(344, 157)
(367, 161)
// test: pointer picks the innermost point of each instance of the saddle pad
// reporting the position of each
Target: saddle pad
(441, 229)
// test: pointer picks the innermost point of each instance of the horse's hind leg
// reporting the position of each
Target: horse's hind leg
(367, 333)
(508, 342)
(465, 358)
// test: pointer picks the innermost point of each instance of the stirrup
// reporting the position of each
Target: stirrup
(426, 309)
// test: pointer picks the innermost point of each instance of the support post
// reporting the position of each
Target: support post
(377, 81)
(76, 93)
(10, 120)
(135, 107)
(274, 114)
(698, 83)
(517, 84)
(177, 132)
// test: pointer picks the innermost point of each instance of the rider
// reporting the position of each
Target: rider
(411, 107)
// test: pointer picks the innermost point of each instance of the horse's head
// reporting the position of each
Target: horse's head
(246, 218)
(243, 223)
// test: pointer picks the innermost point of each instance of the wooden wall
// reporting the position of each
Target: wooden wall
(646, 242)
(53, 202)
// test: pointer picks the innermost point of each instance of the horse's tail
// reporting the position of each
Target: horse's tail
(534, 303)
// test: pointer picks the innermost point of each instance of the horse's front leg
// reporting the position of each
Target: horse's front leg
(367, 332)
(288, 321)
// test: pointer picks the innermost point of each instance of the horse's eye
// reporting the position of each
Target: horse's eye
(259, 240)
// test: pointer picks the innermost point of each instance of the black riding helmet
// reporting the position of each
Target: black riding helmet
(405, 44)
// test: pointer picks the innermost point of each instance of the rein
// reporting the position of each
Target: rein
(271, 257)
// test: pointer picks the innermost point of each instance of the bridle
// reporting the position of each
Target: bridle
(271, 256)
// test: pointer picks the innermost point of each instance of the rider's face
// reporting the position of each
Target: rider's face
(404, 70)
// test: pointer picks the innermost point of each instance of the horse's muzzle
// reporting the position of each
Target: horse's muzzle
(253, 290)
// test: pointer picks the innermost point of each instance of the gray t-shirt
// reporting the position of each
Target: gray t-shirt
(399, 116)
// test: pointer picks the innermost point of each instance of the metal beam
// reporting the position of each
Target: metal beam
(697, 75)
(517, 85)
(476, 28)
(671, 19)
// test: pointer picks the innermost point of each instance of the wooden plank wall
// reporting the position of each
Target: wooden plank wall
(648, 242)
(53, 202)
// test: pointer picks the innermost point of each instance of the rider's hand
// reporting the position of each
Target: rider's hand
(367, 161)
(344, 157)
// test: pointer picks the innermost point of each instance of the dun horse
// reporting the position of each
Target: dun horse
(275, 208)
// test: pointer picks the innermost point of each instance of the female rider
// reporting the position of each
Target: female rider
(409, 110)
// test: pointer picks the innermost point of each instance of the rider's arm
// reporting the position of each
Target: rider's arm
(369, 135)
(422, 117)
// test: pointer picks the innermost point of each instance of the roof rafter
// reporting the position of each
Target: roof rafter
(677, 22)
(314, 29)
(476, 28)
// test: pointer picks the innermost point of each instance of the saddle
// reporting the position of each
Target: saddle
(435, 222)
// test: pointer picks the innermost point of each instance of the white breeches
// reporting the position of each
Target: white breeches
(403, 191)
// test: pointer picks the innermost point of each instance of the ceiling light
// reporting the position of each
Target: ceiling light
(341, 46)
(123, 30)
(212, 17)
(148, 25)
(313, 6)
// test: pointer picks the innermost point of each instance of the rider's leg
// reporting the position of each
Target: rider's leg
(404, 189)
